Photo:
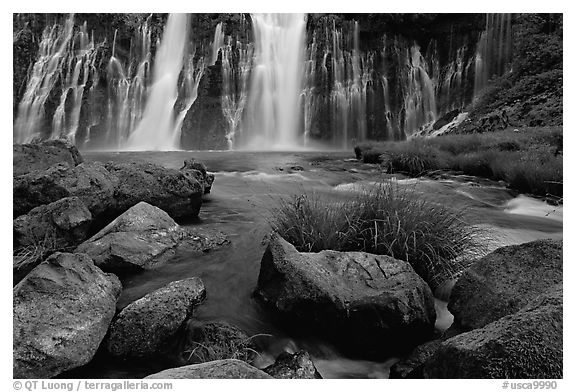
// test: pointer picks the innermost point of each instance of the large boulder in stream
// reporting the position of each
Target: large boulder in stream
(222, 369)
(62, 310)
(171, 190)
(144, 237)
(198, 171)
(504, 281)
(144, 328)
(40, 156)
(62, 223)
(110, 189)
(525, 345)
(364, 302)
(91, 182)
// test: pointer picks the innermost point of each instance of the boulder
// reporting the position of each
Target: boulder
(525, 345)
(173, 191)
(293, 366)
(224, 369)
(91, 182)
(38, 188)
(62, 311)
(63, 223)
(197, 170)
(410, 366)
(40, 156)
(144, 328)
(46, 229)
(208, 341)
(365, 302)
(144, 237)
(504, 281)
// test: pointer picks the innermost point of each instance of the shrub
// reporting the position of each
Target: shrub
(412, 158)
(371, 156)
(388, 220)
(536, 172)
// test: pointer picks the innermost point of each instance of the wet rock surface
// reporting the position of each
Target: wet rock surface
(64, 222)
(526, 344)
(168, 189)
(40, 156)
(293, 366)
(225, 369)
(62, 310)
(504, 281)
(91, 182)
(362, 300)
(144, 328)
(144, 237)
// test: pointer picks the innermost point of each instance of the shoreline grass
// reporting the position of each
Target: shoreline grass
(387, 220)
(530, 161)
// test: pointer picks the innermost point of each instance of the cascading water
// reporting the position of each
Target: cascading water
(158, 128)
(54, 51)
(420, 98)
(127, 89)
(75, 75)
(493, 51)
(273, 115)
(217, 43)
(339, 82)
(188, 91)
(280, 87)
(235, 77)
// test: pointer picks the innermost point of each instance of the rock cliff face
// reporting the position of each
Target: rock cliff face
(365, 76)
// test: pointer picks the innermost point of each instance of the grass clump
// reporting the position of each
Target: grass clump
(205, 342)
(387, 220)
(227, 349)
(25, 258)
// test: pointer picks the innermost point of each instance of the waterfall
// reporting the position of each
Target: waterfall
(308, 94)
(191, 76)
(420, 97)
(157, 129)
(273, 114)
(339, 84)
(54, 50)
(235, 77)
(493, 51)
(281, 87)
(217, 43)
(127, 89)
(75, 75)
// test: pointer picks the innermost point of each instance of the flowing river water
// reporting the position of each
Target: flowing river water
(247, 187)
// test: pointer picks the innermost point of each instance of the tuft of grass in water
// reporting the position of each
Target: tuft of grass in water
(386, 220)
(225, 349)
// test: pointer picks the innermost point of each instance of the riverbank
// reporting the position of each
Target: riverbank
(529, 160)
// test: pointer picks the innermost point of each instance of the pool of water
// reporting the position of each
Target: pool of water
(247, 187)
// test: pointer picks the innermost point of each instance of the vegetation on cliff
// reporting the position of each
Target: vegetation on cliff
(531, 93)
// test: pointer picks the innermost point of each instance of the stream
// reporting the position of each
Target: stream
(247, 186)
